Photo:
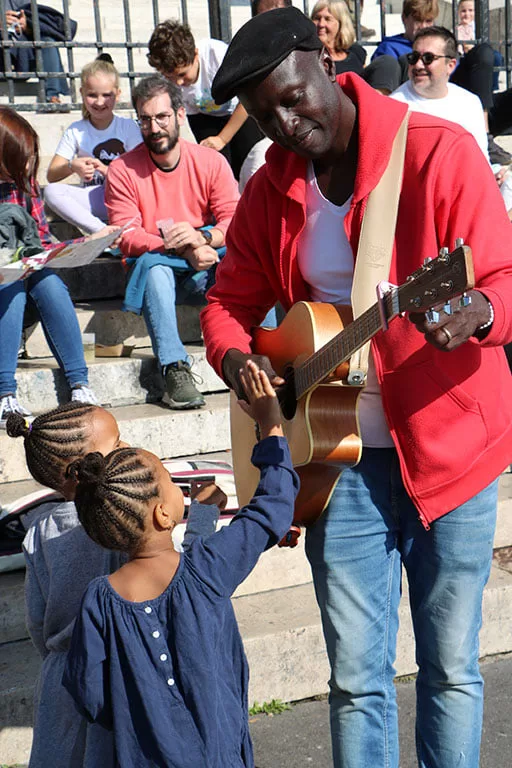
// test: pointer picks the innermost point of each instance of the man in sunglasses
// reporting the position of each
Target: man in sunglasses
(428, 89)
(436, 413)
(179, 199)
(473, 72)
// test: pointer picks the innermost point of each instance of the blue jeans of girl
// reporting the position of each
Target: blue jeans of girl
(59, 322)
(356, 550)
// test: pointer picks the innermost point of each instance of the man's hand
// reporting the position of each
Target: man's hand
(18, 18)
(453, 330)
(214, 142)
(200, 258)
(234, 360)
(85, 167)
(183, 235)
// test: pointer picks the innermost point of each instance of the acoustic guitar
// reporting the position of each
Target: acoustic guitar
(311, 350)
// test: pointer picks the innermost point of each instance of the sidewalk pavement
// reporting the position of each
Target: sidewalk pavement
(300, 737)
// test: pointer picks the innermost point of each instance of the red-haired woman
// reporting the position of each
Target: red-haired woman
(19, 159)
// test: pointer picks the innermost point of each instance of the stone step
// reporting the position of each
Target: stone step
(112, 326)
(115, 380)
(283, 640)
(166, 433)
(276, 569)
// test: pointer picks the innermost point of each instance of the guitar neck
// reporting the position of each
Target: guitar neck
(340, 348)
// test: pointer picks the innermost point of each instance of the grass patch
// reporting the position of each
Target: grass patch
(274, 707)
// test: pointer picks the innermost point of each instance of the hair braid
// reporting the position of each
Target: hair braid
(52, 440)
(112, 495)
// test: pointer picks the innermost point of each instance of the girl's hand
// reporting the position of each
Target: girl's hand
(106, 231)
(84, 167)
(214, 142)
(262, 404)
(207, 492)
(99, 166)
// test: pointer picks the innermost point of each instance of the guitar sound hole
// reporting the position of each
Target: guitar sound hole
(286, 395)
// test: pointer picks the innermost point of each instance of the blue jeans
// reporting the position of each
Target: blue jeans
(356, 551)
(54, 86)
(164, 289)
(60, 327)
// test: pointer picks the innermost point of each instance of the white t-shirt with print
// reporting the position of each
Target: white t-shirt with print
(82, 139)
(197, 98)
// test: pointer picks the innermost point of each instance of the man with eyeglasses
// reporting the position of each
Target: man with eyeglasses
(179, 199)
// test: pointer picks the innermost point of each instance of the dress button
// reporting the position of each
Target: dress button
(163, 657)
(156, 634)
(170, 681)
(148, 609)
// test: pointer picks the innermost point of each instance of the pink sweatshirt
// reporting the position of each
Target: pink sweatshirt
(201, 190)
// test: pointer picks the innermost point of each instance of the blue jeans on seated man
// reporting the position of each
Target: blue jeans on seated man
(58, 318)
(356, 550)
(164, 289)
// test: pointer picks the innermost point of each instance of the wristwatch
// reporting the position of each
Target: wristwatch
(206, 233)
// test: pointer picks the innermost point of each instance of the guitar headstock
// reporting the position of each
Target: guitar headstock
(437, 281)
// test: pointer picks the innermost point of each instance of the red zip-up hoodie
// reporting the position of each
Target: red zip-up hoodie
(449, 413)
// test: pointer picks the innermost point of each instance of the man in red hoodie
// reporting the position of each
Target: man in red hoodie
(436, 414)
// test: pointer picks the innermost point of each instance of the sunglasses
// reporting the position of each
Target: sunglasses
(427, 57)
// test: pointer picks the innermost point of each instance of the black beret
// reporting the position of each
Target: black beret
(260, 46)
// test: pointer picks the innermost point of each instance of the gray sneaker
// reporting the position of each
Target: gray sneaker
(181, 392)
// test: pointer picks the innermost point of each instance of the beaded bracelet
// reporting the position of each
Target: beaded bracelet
(490, 320)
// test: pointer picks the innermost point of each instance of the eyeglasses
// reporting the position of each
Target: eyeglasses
(427, 57)
(162, 120)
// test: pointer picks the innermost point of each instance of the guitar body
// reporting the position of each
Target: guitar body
(309, 350)
(323, 434)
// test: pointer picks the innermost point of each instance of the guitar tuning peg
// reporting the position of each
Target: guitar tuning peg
(426, 261)
(432, 316)
(459, 241)
(447, 309)
(443, 254)
(464, 300)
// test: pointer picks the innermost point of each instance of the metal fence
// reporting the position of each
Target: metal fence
(123, 28)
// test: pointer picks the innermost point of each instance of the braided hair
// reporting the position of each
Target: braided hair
(53, 440)
(112, 495)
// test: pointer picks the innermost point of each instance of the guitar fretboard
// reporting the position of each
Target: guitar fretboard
(340, 348)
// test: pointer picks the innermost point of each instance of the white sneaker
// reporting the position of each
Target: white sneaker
(9, 404)
(84, 395)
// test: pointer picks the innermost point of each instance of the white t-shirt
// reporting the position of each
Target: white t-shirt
(459, 106)
(82, 139)
(326, 262)
(197, 98)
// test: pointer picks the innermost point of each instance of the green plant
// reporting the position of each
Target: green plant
(274, 707)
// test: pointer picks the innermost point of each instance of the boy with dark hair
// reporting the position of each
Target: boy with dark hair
(226, 128)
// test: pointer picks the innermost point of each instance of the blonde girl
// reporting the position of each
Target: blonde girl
(87, 148)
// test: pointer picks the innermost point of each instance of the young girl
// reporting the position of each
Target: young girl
(61, 560)
(88, 147)
(19, 160)
(156, 654)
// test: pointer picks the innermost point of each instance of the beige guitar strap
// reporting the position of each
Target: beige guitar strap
(375, 248)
